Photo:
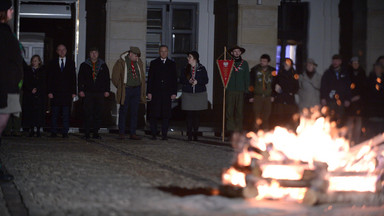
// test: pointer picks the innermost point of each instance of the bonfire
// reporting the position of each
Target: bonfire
(314, 164)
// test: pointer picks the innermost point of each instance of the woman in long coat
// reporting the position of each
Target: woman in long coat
(34, 96)
(285, 86)
(194, 98)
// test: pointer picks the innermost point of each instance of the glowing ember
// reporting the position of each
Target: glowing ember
(234, 177)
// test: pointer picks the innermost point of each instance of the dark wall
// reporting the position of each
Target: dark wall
(226, 22)
(353, 30)
(96, 25)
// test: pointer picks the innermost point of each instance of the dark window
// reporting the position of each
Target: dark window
(174, 25)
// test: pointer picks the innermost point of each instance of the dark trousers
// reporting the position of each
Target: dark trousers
(93, 110)
(132, 100)
(65, 117)
(234, 110)
(193, 122)
(164, 126)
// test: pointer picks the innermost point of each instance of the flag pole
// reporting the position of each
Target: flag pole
(223, 128)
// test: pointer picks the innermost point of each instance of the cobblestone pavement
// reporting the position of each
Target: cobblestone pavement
(112, 177)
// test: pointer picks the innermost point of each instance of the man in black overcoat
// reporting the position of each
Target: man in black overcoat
(61, 88)
(161, 90)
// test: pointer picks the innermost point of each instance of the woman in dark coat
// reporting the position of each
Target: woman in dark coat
(194, 98)
(375, 92)
(285, 86)
(34, 96)
(354, 111)
(161, 90)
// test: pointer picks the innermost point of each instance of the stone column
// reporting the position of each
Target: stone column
(257, 29)
(126, 26)
(375, 31)
(323, 32)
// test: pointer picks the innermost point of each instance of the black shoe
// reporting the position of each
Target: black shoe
(96, 136)
(31, 133)
(65, 135)
(38, 134)
(86, 137)
(195, 138)
(164, 138)
(53, 135)
(134, 137)
(5, 177)
(153, 137)
(189, 138)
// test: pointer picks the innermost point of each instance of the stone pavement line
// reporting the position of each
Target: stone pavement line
(13, 199)
(163, 166)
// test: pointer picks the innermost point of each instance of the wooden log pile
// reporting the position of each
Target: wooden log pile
(314, 179)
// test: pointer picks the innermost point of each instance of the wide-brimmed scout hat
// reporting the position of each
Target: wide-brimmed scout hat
(237, 47)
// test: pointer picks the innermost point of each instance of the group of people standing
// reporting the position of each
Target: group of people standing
(278, 95)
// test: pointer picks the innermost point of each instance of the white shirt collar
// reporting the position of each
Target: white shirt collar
(163, 60)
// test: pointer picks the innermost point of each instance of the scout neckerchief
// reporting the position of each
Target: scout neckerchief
(193, 72)
(96, 66)
(264, 81)
(237, 68)
(134, 75)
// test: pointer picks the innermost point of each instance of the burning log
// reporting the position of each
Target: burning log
(313, 197)
(375, 141)
(238, 192)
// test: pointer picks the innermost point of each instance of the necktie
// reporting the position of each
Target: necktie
(62, 65)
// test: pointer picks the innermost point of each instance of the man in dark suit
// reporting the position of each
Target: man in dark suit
(61, 88)
(161, 90)
(94, 85)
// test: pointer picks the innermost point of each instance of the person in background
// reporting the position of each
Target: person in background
(128, 76)
(261, 83)
(335, 91)
(355, 110)
(161, 90)
(194, 97)
(34, 96)
(237, 86)
(309, 86)
(93, 86)
(380, 60)
(375, 92)
(11, 71)
(285, 86)
(61, 88)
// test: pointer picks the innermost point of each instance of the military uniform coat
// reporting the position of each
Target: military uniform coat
(162, 83)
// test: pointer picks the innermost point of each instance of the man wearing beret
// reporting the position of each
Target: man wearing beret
(128, 76)
(237, 86)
